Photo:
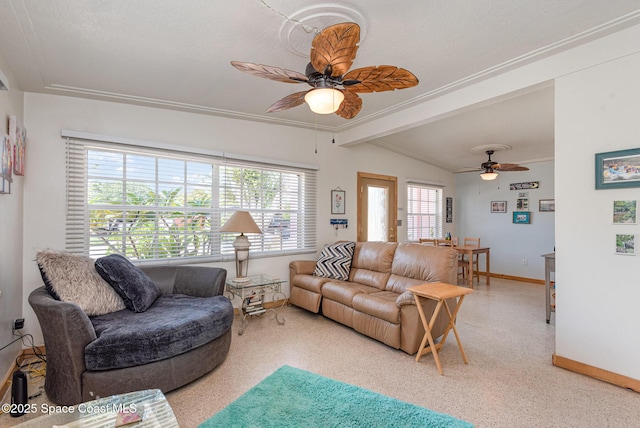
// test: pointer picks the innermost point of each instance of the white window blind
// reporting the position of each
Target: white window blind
(424, 212)
(153, 205)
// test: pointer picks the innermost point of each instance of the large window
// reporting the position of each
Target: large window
(152, 205)
(424, 212)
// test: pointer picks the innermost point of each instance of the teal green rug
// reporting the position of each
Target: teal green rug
(292, 397)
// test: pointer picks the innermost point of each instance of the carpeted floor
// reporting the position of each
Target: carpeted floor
(292, 397)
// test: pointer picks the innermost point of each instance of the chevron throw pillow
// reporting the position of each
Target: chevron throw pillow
(335, 261)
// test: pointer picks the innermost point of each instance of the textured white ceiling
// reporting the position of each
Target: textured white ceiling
(176, 54)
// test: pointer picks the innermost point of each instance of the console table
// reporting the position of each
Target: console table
(252, 293)
(549, 268)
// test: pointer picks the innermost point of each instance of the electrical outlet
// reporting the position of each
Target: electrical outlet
(18, 324)
(524, 262)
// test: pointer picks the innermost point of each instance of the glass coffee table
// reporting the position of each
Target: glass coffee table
(252, 292)
(151, 405)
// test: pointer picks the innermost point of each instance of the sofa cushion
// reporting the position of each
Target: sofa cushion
(372, 263)
(175, 324)
(134, 286)
(381, 304)
(335, 261)
(343, 292)
(414, 264)
(72, 278)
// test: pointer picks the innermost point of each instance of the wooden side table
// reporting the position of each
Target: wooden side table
(440, 292)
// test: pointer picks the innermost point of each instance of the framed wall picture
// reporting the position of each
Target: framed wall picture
(6, 167)
(498, 206)
(547, 205)
(522, 204)
(522, 217)
(624, 212)
(626, 244)
(337, 201)
(619, 169)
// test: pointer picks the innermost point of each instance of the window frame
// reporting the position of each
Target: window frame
(415, 218)
(299, 232)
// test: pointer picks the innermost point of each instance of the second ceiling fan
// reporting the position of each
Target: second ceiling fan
(492, 168)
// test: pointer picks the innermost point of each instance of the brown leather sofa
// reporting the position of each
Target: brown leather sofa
(375, 301)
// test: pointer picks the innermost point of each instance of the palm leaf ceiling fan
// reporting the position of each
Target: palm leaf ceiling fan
(332, 53)
(490, 167)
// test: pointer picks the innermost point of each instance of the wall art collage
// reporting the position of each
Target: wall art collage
(12, 153)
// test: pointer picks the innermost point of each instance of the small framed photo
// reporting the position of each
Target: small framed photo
(522, 204)
(547, 205)
(624, 212)
(522, 217)
(619, 169)
(498, 206)
(626, 245)
(337, 202)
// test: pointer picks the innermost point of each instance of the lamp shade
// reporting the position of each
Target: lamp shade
(242, 222)
(489, 174)
(324, 100)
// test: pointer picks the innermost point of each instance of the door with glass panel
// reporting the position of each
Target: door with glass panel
(377, 207)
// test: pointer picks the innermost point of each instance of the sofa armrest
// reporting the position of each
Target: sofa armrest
(200, 281)
(298, 267)
(406, 298)
(67, 330)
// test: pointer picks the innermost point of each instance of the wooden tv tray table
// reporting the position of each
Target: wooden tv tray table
(440, 292)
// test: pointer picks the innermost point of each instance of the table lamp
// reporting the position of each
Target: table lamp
(241, 221)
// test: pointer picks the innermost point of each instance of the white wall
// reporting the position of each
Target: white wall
(10, 234)
(598, 321)
(45, 190)
(510, 243)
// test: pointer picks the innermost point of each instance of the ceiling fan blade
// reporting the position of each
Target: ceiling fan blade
(379, 79)
(334, 48)
(269, 72)
(290, 101)
(509, 167)
(351, 105)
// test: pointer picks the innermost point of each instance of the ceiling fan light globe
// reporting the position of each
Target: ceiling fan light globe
(324, 100)
(489, 175)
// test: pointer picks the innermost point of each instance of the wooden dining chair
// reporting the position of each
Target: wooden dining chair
(444, 243)
(428, 241)
(475, 269)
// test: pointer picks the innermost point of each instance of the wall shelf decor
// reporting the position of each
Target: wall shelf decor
(620, 169)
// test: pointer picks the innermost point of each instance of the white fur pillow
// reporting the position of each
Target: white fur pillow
(74, 279)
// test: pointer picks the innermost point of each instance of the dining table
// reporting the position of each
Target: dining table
(470, 251)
